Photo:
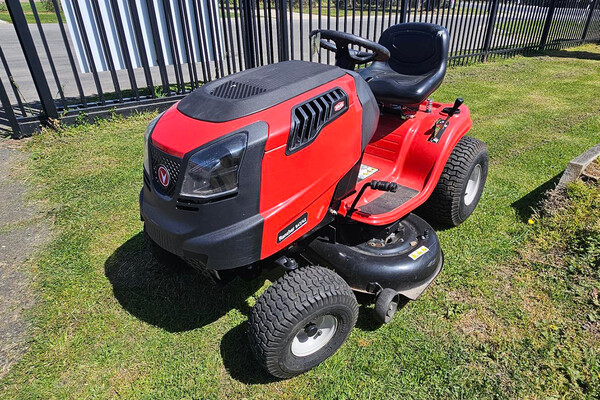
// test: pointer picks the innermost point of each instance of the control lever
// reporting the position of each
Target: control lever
(454, 109)
(442, 124)
(384, 186)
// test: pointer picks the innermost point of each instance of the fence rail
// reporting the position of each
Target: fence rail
(125, 55)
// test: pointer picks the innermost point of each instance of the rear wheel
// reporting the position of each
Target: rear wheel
(301, 320)
(460, 186)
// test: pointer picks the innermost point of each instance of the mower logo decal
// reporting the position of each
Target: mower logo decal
(339, 106)
(418, 252)
(293, 227)
(163, 175)
(366, 171)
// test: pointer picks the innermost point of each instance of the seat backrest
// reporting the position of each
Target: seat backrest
(416, 48)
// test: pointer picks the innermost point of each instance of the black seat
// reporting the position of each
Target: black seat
(416, 67)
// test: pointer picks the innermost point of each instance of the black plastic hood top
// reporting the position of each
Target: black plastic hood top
(254, 90)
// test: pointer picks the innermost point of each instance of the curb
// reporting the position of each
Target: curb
(578, 165)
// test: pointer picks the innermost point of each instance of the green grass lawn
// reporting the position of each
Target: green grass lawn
(46, 17)
(505, 318)
(536, 27)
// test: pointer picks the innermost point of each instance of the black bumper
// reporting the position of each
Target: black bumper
(180, 233)
(221, 234)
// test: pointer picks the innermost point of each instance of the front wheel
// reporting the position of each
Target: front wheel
(460, 186)
(301, 320)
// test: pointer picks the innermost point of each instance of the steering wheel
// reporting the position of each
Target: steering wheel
(346, 57)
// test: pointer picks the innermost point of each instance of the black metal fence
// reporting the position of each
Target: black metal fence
(42, 81)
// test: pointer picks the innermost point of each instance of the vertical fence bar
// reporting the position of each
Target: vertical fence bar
(470, 39)
(589, 20)
(124, 49)
(269, 31)
(530, 31)
(228, 33)
(258, 37)
(31, 57)
(375, 21)
(360, 24)
(12, 83)
(291, 28)
(172, 40)
(160, 59)
(10, 114)
(213, 18)
(353, 16)
(282, 29)
(248, 33)
(489, 33)
(63, 34)
(88, 51)
(320, 22)
(187, 44)
(547, 24)
(310, 28)
(301, 18)
(328, 26)
(238, 32)
(106, 49)
(48, 54)
(454, 37)
(204, 57)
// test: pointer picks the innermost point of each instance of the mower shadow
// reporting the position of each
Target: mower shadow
(239, 360)
(526, 204)
(175, 299)
(179, 299)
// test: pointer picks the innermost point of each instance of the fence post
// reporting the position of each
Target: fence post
(31, 56)
(403, 10)
(589, 20)
(547, 25)
(489, 32)
(248, 37)
(10, 114)
(282, 30)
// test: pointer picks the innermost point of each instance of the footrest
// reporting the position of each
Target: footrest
(389, 201)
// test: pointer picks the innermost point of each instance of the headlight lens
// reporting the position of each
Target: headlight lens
(147, 133)
(213, 171)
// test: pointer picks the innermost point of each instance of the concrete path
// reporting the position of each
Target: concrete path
(23, 228)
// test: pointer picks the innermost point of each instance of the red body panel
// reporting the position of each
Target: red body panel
(402, 153)
(291, 185)
(304, 182)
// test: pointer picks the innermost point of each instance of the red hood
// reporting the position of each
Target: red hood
(177, 134)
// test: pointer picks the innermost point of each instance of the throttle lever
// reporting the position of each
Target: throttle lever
(443, 123)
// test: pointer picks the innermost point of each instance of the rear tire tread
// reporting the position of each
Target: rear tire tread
(443, 206)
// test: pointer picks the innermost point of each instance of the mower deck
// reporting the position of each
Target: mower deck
(402, 152)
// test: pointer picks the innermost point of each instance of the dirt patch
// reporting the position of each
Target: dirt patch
(593, 170)
(23, 228)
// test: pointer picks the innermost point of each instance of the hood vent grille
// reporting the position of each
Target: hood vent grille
(310, 117)
(236, 90)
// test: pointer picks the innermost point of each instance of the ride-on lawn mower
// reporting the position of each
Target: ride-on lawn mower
(316, 169)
